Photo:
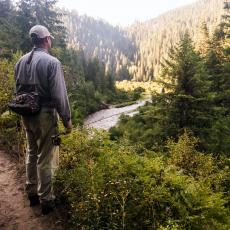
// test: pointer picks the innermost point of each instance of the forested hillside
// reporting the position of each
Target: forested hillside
(155, 37)
(97, 38)
(137, 51)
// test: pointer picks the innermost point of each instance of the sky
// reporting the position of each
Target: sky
(123, 12)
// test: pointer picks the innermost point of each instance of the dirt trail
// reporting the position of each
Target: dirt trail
(15, 213)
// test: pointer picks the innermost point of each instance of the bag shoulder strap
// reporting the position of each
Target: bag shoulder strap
(31, 56)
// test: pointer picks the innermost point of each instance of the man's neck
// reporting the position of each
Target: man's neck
(42, 47)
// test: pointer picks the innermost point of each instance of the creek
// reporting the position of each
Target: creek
(107, 118)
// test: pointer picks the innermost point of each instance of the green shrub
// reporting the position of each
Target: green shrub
(185, 156)
(11, 133)
(6, 83)
(11, 136)
(107, 185)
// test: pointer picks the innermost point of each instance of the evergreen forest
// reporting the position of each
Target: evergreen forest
(165, 168)
(136, 52)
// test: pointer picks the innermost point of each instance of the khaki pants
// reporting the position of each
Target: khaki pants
(42, 155)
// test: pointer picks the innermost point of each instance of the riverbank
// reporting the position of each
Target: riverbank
(107, 118)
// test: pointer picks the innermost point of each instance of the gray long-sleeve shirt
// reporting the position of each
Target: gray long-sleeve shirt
(43, 75)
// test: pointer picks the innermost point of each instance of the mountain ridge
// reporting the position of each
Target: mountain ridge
(135, 52)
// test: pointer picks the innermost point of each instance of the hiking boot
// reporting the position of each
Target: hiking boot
(47, 207)
(34, 200)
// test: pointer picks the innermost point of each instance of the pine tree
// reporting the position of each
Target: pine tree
(218, 63)
(185, 102)
(43, 12)
(9, 32)
(225, 82)
(110, 81)
(203, 41)
(219, 66)
(188, 90)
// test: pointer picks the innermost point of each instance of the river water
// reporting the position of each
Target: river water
(107, 118)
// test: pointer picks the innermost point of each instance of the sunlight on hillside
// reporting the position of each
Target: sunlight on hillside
(149, 86)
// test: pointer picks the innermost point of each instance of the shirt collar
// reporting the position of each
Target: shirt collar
(40, 49)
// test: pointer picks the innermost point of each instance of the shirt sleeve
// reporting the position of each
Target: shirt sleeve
(16, 77)
(58, 91)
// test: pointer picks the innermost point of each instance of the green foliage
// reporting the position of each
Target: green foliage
(189, 103)
(191, 99)
(33, 12)
(87, 84)
(9, 40)
(11, 135)
(185, 156)
(219, 138)
(107, 185)
(7, 81)
(125, 97)
(203, 43)
(145, 128)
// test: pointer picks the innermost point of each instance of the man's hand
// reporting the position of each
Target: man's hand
(69, 127)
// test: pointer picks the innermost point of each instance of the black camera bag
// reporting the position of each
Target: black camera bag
(26, 104)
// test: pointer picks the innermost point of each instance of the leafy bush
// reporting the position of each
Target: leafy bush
(185, 156)
(6, 81)
(11, 134)
(107, 185)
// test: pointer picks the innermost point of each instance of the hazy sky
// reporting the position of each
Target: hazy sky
(123, 12)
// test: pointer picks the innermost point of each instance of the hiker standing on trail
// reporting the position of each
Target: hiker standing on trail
(42, 73)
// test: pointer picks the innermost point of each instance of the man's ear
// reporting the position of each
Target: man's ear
(46, 40)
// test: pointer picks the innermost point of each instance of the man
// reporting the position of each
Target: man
(42, 73)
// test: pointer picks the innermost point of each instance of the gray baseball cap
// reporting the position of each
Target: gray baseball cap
(40, 31)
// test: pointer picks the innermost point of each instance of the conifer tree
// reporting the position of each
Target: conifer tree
(43, 12)
(184, 103)
(203, 41)
(9, 32)
(218, 63)
(188, 94)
